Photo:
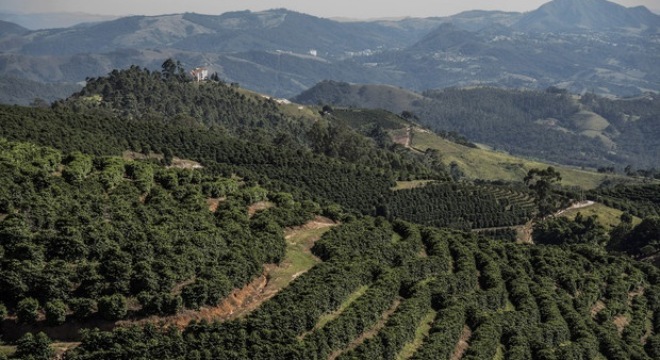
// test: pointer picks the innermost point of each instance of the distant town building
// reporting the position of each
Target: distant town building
(200, 73)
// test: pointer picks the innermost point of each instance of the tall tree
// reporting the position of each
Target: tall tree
(541, 182)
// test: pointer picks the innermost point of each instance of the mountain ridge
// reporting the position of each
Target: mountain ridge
(281, 52)
(551, 125)
(595, 15)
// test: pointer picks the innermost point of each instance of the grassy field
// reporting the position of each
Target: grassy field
(607, 216)
(491, 165)
(298, 258)
(59, 348)
(404, 185)
(7, 350)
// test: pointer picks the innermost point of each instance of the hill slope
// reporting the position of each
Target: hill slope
(550, 125)
(90, 239)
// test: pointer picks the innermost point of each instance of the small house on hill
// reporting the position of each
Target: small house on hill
(200, 73)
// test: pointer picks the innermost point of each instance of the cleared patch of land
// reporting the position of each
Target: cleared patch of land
(213, 203)
(597, 308)
(607, 216)
(7, 350)
(621, 321)
(176, 162)
(493, 165)
(404, 185)
(259, 206)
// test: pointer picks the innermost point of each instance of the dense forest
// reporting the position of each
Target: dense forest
(98, 224)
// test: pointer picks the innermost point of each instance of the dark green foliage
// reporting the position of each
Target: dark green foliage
(116, 229)
(552, 291)
(55, 312)
(82, 308)
(113, 307)
(646, 234)
(642, 240)
(399, 329)
(640, 200)
(27, 310)
(34, 347)
(523, 122)
(110, 232)
(461, 206)
(356, 319)
(561, 230)
(542, 183)
(445, 332)
(357, 186)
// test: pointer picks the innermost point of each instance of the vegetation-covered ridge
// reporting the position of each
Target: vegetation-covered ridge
(552, 125)
(226, 129)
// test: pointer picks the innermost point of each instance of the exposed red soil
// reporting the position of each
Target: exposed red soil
(597, 307)
(621, 321)
(318, 222)
(213, 203)
(259, 206)
(463, 344)
(239, 301)
(245, 300)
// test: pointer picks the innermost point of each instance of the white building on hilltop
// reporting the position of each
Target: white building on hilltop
(200, 73)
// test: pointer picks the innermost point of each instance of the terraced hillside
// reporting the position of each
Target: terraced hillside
(516, 301)
(462, 206)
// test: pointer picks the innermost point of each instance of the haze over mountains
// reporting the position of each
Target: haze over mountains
(585, 45)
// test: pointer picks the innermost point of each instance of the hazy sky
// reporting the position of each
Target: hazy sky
(332, 8)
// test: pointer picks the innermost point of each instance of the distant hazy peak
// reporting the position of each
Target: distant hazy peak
(595, 15)
(7, 27)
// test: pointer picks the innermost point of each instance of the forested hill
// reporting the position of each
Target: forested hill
(91, 237)
(223, 127)
(552, 125)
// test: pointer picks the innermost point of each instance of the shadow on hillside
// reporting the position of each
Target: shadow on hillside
(11, 330)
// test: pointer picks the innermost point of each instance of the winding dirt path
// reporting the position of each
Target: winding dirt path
(524, 232)
(274, 278)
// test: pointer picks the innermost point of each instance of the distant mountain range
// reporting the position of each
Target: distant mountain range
(38, 21)
(581, 45)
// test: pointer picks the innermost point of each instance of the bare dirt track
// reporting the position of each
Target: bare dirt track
(273, 279)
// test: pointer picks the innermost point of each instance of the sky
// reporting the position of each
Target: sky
(362, 9)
